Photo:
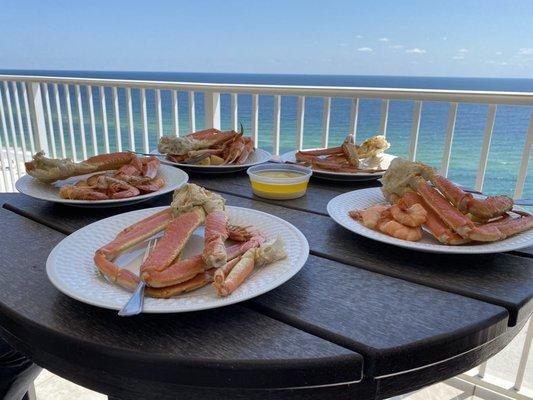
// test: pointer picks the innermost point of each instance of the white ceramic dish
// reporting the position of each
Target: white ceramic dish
(71, 269)
(339, 206)
(174, 178)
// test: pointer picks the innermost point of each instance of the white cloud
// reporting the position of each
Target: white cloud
(458, 57)
(365, 49)
(503, 63)
(397, 46)
(463, 51)
(416, 50)
(444, 38)
(359, 36)
(499, 53)
(526, 51)
(383, 39)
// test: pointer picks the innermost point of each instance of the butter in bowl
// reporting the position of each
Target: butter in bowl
(279, 181)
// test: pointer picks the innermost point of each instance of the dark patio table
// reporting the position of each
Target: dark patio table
(362, 320)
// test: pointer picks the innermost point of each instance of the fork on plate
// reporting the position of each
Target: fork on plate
(135, 304)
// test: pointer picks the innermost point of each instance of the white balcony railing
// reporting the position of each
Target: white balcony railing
(77, 118)
(74, 117)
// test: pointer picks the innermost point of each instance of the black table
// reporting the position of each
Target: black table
(362, 320)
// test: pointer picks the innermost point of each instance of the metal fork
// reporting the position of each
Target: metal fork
(135, 304)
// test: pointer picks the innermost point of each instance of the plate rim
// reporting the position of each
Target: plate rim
(266, 154)
(52, 275)
(108, 202)
(435, 248)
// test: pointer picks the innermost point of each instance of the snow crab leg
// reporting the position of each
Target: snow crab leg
(127, 238)
(230, 276)
(484, 209)
(183, 270)
(49, 170)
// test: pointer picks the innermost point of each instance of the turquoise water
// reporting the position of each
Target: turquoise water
(505, 152)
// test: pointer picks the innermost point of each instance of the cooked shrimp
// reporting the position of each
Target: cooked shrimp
(389, 226)
(369, 216)
(413, 216)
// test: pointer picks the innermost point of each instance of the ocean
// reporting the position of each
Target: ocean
(508, 138)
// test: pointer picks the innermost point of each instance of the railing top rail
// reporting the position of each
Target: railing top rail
(459, 96)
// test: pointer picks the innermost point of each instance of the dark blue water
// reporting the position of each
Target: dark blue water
(505, 152)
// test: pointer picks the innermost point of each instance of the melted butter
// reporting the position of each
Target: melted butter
(279, 174)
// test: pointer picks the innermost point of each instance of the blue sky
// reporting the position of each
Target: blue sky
(429, 38)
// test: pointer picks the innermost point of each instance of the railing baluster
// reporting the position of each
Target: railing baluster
(6, 141)
(144, 119)
(159, 113)
(384, 117)
(81, 121)
(452, 114)
(192, 112)
(60, 121)
(300, 118)
(326, 112)
(92, 121)
(131, 129)
(12, 126)
(255, 119)
(354, 116)
(70, 122)
(49, 120)
(35, 99)
(234, 111)
(28, 117)
(175, 113)
(486, 147)
(415, 129)
(103, 111)
(19, 121)
(277, 122)
(522, 172)
(482, 370)
(211, 110)
(524, 356)
(4, 165)
(118, 137)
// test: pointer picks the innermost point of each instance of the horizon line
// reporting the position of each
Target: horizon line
(2, 70)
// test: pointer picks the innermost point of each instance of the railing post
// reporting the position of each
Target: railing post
(212, 110)
(37, 115)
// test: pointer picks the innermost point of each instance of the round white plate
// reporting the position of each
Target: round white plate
(259, 156)
(339, 206)
(344, 176)
(174, 178)
(71, 269)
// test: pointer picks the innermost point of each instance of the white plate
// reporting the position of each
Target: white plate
(71, 269)
(339, 206)
(344, 176)
(174, 178)
(259, 156)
